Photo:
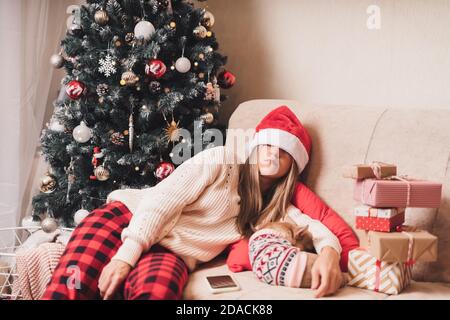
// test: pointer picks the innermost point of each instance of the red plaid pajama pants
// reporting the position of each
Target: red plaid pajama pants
(159, 274)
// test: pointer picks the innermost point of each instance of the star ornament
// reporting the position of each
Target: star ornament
(173, 132)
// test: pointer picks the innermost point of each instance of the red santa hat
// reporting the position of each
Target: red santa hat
(283, 129)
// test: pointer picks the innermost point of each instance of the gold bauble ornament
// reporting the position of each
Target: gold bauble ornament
(200, 32)
(173, 24)
(101, 173)
(129, 78)
(101, 17)
(208, 19)
(48, 183)
(208, 118)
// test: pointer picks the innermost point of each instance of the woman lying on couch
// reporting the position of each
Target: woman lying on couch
(143, 243)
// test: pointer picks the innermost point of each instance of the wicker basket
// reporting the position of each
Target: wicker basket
(15, 237)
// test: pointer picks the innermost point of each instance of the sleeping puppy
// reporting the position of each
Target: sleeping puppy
(298, 236)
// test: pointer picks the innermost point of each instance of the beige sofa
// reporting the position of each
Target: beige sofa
(418, 141)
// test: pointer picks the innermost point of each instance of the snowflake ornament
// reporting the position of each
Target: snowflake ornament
(107, 66)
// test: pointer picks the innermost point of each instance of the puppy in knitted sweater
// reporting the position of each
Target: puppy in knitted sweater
(296, 242)
(283, 253)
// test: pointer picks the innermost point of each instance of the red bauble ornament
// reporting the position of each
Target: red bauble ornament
(155, 69)
(226, 79)
(75, 89)
(164, 170)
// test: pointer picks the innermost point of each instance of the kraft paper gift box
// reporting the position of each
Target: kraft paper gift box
(375, 170)
(379, 219)
(400, 246)
(367, 272)
(398, 192)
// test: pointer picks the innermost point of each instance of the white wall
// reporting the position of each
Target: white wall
(10, 118)
(322, 52)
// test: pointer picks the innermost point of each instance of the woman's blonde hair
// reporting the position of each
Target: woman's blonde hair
(256, 210)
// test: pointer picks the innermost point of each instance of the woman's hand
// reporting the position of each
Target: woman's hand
(113, 275)
(326, 273)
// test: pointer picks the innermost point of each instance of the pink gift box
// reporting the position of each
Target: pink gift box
(398, 193)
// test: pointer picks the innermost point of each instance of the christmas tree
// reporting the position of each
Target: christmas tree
(139, 75)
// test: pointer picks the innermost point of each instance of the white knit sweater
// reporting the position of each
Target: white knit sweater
(192, 212)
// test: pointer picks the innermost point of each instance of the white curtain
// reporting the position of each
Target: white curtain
(30, 31)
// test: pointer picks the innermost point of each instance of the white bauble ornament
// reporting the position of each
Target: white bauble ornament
(144, 30)
(102, 173)
(49, 225)
(30, 225)
(82, 133)
(80, 215)
(183, 65)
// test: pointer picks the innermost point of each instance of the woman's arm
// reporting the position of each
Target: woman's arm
(163, 204)
(322, 237)
(326, 276)
(309, 203)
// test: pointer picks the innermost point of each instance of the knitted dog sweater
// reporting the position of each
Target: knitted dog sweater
(275, 260)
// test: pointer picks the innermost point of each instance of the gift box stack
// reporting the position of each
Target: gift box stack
(388, 250)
